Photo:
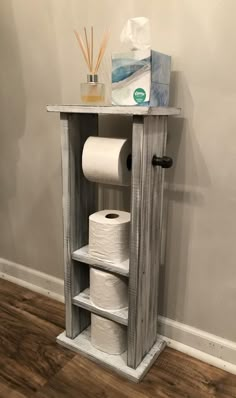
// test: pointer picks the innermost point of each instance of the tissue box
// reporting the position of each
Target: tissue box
(141, 77)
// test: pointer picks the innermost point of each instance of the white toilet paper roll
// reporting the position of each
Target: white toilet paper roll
(107, 160)
(109, 235)
(108, 336)
(108, 291)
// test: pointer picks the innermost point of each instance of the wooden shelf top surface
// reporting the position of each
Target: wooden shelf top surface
(82, 344)
(83, 256)
(115, 110)
(83, 300)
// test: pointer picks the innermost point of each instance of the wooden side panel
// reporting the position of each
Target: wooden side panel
(164, 201)
(146, 199)
(79, 200)
(135, 227)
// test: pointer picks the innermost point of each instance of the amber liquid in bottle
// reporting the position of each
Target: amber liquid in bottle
(92, 92)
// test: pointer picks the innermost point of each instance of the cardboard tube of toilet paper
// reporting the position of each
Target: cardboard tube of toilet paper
(107, 160)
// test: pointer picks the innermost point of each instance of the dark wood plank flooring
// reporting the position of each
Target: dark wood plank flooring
(33, 365)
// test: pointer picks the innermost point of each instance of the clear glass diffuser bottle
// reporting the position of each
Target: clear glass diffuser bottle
(92, 92)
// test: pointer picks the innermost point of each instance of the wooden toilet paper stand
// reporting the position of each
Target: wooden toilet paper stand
(149, 134)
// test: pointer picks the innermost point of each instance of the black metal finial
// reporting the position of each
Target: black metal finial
(165, 162)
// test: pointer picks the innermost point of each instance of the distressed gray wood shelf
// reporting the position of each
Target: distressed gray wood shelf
(115, 110)
(149, 135)
(116, 268)
(117, 363)
(83, 300)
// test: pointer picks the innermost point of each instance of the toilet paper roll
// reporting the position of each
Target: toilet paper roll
(108, 336)
(107, 160)
(108, 291)
(109, 235)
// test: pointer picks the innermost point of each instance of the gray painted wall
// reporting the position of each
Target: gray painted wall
(41, 63)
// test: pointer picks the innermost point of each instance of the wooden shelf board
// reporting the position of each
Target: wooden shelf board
(82, 344)
(115, 110)
(83, 300)
(83, 256)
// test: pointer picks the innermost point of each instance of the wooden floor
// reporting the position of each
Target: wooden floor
(33, 365)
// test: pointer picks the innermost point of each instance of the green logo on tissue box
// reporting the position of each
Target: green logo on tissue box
(139, 95)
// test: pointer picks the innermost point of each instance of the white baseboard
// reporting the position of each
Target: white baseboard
(34, 280)
(197, 343)
(202, 356)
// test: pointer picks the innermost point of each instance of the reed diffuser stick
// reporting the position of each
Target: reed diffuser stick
(91, 49)
(81, 44)
(101, 51)
(88, 48)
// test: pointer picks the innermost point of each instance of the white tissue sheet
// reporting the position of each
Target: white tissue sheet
(136, 34)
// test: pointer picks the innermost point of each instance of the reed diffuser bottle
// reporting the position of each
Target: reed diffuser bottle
(92, 92)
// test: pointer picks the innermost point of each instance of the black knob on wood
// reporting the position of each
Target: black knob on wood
(165, 162)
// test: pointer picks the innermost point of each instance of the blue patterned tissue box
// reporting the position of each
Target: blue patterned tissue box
(141, 77)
